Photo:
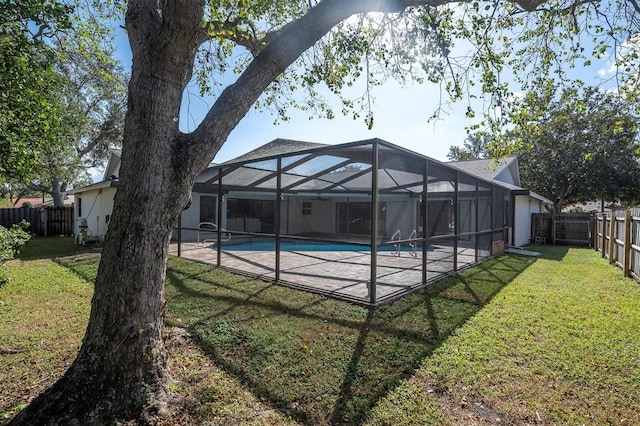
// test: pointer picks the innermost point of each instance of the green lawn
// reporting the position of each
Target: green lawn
(551, 339)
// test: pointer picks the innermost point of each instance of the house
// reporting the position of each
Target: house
(67, 201)
(94, 203)
(326, 189)
(526, 202)
(593, 207)
(364, 221)
(29, 201)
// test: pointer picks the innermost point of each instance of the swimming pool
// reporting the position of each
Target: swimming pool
(305, 246)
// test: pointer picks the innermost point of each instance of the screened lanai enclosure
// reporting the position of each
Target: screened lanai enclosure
(366, 222)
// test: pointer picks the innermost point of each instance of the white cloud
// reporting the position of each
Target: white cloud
(606, 72)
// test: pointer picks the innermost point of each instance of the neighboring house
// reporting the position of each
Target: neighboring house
(94, 203)
(32, 201)
(67, 201)
(327, 187)
(506, 171)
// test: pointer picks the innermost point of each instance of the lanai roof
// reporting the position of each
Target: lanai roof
(308, 167)
(276, 147)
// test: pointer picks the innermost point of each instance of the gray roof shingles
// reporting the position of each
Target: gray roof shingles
(275, 147)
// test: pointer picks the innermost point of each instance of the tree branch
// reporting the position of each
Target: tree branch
(279, 50)
(283, 48)
(229, 30)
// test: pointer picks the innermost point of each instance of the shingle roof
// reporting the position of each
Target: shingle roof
(275, 147)
(486, 169)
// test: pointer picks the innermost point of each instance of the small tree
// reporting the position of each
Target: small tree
(63, 99)
(10, 242)
(28, 113)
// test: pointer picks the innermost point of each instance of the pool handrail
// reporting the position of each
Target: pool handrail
(412, 244)
(398, 233)
(214, 228)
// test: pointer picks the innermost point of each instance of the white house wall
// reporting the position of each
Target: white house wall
(191, 218)
(401, 214)
(524, 208)
(96, 206)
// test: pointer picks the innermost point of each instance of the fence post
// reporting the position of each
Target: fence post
(627, 243)
(45, 221)
(612, 237)
(603, 243)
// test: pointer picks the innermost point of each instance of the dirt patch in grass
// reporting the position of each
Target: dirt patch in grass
(461, 409)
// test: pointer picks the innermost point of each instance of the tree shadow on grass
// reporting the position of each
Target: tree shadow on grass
(322, 361)
(318, 360)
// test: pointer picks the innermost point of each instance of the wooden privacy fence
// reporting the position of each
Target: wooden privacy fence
(618, 239)
(45, 222)
(562, 228)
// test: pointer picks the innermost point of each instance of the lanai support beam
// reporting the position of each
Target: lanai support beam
(374, 224)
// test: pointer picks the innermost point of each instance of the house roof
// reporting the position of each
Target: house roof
(308, 167)
(274, 148)
(502, 169)
(113, 165)
(98, 185)
(32, 201)
(67, 200)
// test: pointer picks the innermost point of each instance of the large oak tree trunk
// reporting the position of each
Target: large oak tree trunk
(120, 372)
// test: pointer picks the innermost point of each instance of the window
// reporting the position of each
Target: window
(79, 207)
(306, 208)
(250, 215)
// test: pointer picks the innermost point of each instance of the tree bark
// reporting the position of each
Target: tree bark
(120, 372)
(56, 193)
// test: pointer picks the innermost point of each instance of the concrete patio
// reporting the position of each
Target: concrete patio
(339, 274)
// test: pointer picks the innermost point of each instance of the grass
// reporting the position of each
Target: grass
(43, 313)
(558, 345)
(552, 339)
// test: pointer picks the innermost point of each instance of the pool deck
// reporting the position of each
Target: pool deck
(340, 274)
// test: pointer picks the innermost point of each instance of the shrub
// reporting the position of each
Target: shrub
(10, 242)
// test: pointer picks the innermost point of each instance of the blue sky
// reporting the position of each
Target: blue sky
(401, 117)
